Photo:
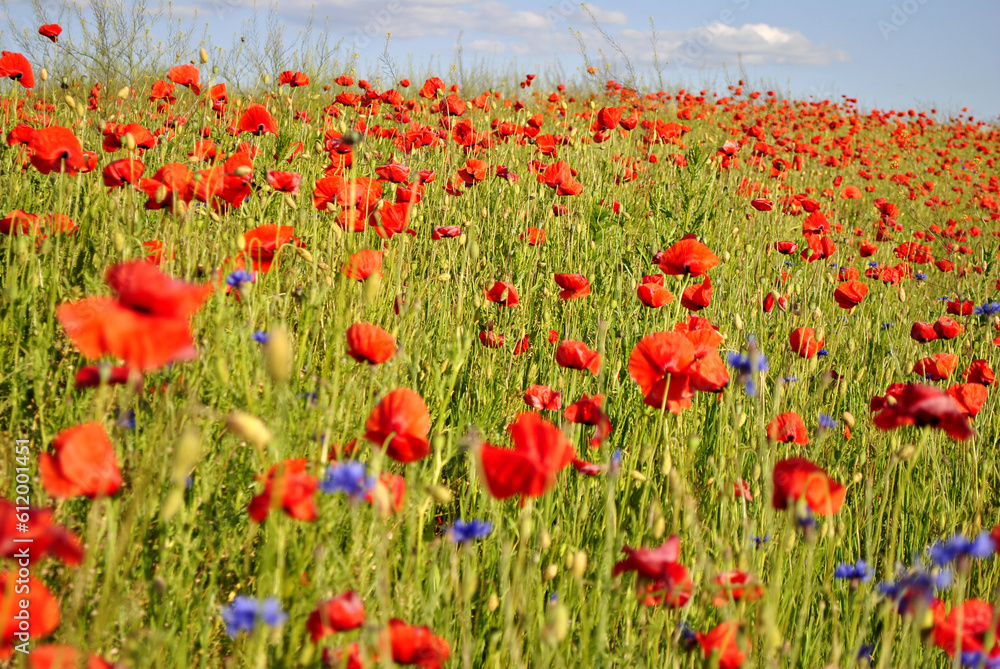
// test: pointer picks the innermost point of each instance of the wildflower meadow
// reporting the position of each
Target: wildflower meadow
(325, 371)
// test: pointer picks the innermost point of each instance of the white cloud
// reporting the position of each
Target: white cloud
(755, 43)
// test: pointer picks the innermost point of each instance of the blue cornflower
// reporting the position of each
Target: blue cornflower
(987, 309)
(822, 353)
(865, 652)
(616, 461)
(245, 612)
(261, 337)
(760, 540)
(553, 599)
(914, 585)
(470, 530)
(942, 299)
(126, 419)
(239, 277)
(886, 326)
(827, 421)
(920, 276)
(749, 365)
(872, 263)
(957, 547)
(789, 379)
(687, 636)
(349, 477)
(979, 660)
(859, 571)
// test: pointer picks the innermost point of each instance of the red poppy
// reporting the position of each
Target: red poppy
(687, 257)
(721, 641)
(90, 377)
(42, 607)
(393, 172)
(15, 66)
(795, 478)
(575, 355)
(697, 296)
(543, 397)
(970, 397)
(147, 326)
(293, 79)
(284, 182)
(443, 231)
(46, 537)
(587, 411)
(417, 646)
(788, 428)
(573, 286)
(19, 222)
(490, 339)
(370, 343)
(388, 493)
(762, 204)
(804, 342)
(979, 371)
(56, 149)
(948, 328)
(937, 367)
(662, 579)
(51, 30)
(786, 247)
(120, 172)
(186, 75)
(83, 462)
(965, 626)
(402, 419)
(654, 295)
(257, 121)
(287, 486)
(534, 236)
(960, 308)
(923, 332)
(540, 452)
(850, 294)
(341, 614)
(262, 243)
(55, 656)
(736, 586)
(503, 294)
(659, 359)
(363, 264)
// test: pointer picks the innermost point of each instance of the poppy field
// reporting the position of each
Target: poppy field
(375, 373)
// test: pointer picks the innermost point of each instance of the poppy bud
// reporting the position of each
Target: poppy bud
(526, 525)
(243, 171)
(817, 314)
(70, 101)
(444, 277)
(119, 240)
(550, 572)
(203, 55)
(267, 79)
(544, 539)
(638, 476)
(161, 194)
(249, 428)
(186, 455)
(738, 323)
(80, 109)
(440, 494)
(568, 560)
(580, 564)
(902, 294)
(43, 75)
(741, 418)
(725, 256)
(130, 141)
(492, 602)
(848, 418)
(659, 527)
(304, 254)
(278, 355)
(857, 478)
(906, 452)
(123, 93)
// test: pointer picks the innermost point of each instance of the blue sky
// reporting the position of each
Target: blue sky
(900, 53)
